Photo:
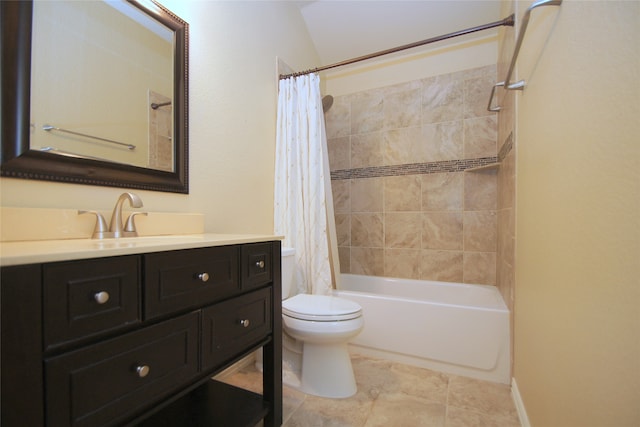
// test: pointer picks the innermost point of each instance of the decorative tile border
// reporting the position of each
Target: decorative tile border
(412, 168)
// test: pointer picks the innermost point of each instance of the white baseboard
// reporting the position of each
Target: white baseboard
(517, 400)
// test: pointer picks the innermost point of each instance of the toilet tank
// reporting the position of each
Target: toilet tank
(288, 261)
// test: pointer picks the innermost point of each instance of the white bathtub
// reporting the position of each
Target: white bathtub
(454, 328)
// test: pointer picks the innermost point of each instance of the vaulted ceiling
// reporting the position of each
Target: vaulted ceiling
(344, 29)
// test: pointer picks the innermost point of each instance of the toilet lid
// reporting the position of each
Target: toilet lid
(322, 308)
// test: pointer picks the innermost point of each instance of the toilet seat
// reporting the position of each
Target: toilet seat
(320, 308)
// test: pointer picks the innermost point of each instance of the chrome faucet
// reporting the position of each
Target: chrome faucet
(117, 227)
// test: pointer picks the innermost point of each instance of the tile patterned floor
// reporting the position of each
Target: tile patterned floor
(396, 395)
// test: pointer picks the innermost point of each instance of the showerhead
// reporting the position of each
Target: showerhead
(327, 102)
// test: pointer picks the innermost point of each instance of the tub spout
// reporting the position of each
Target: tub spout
(116, 227)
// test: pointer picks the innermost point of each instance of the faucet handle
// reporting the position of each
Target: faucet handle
(130, 226)
(101, 230)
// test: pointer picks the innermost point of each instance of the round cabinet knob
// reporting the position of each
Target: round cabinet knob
(142, 370)
(203, 277)
(260, 264)
(101, 297)
(245, 322)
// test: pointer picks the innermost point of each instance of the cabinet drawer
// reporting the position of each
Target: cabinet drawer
(257, 265)
(234, 325)
(87, 298)
(107, 383)
(188, 279)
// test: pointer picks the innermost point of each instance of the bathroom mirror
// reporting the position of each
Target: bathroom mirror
(123, 123)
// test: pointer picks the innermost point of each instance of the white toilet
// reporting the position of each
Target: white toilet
(316, 331)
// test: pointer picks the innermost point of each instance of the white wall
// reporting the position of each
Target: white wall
(577, 293)
(418, 63)
(232, 101)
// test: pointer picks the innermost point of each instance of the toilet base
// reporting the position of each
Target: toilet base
(332, 378)
(330, 373)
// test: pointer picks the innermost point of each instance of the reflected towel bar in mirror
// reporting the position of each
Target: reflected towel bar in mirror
(49, 128)
(66, 153)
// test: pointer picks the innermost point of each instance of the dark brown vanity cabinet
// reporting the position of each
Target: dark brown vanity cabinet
(89, 298)
(234, 324)
(134, 340)
(104, 382)
(186, 279)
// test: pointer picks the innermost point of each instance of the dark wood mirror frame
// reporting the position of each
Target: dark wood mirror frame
(18, 161)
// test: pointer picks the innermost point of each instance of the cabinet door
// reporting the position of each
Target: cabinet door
(179, 280)
(89, 298)
(107, 383)
(234, 326)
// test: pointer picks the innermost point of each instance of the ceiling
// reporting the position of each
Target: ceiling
(345, 29)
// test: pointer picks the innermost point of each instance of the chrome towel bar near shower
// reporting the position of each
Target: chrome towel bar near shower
(49, 128)
(519, 85)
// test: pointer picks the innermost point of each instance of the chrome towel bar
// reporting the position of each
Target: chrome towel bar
(519, 85)
(49, 128)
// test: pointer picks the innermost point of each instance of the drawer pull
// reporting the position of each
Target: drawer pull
(203, 277)
(142, 370)
(245, 322)
(260, 264)
(101, 297)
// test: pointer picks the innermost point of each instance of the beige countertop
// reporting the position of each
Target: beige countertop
(31, 252)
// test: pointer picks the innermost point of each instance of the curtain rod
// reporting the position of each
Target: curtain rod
(509, 21)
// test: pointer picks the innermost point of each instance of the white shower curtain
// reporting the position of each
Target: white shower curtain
(302, 185)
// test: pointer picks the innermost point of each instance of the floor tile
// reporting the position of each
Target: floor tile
(319, 411)
(248, 378)
(457, 417)
(401, 410)
(395, 395)
(291, 401)
(424, 383)
(481, 396)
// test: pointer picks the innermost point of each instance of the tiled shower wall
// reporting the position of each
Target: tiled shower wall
(160, 131)
(506, 174)
(404, 205)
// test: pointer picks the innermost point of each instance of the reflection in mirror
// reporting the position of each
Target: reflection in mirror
(76, 48)
(108, 88)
